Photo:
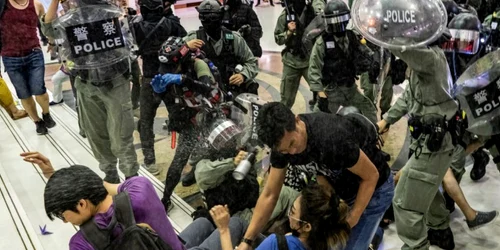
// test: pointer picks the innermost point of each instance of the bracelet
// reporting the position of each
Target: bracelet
(247, 241)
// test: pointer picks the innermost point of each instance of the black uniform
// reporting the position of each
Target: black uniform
(148, 50)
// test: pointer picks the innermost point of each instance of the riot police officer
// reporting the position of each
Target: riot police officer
(289, 32)
(184, 75)
(338, 56)
(428, 102)
(226, 49)
(240, 17)
(97, 41)
(151, 29)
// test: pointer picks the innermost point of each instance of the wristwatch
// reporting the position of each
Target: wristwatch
(247, 241)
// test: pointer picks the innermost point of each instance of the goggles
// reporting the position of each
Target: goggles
(463, 41)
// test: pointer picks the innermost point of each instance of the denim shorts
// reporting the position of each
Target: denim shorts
(27, 73)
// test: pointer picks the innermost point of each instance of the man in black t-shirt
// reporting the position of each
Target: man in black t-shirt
(337, 146)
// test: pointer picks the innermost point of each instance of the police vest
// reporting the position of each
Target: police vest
(227, 60)
(339, 67)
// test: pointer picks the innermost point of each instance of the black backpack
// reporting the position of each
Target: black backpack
(282, 243)
(133, 237)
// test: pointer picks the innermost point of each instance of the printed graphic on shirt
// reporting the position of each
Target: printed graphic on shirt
(96, 37)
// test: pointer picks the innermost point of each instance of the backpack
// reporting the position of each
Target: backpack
(132, 237)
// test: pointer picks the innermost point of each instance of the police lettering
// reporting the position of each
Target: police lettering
(400, 16)
(95, 46)
(486, 108)
(255, 113)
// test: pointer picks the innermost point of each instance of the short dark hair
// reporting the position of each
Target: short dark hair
(67, 186)
(327, 215)
(273, 120)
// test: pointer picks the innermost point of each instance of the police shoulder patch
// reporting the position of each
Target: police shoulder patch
(230, 36)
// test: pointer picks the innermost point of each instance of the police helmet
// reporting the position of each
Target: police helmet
(465, 30)
(210, 10)
(170, 52)
(337, 16)
(151, 4)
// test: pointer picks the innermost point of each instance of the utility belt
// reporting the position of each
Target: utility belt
(107, 84)
(435, 127)
(296, 52)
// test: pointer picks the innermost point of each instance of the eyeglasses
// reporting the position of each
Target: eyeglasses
(294, 218)
(59, 215)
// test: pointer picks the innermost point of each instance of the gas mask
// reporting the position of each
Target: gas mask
(212, 23)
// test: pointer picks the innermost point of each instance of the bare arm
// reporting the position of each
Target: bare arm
(40, 10)
(266, 203)
(51, 14)
(368, 173)
(46, 166)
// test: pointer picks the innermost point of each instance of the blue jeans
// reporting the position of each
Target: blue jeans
(27, 73)
(202, 235)
(362, 234)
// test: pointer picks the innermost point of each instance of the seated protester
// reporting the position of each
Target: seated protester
(317, 219)
(214, 176)
(77, 195)
(355, 168)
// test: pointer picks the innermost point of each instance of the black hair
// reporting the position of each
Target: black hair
(273, 120)
(327, 215)
(67, 186)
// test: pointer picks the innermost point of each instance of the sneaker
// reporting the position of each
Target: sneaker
(481, 159)
(41, 128)
(82, 134)
(113, 179)
(49, 122)
(167, 203)
(152, 168)
(441, 238)
(52, 103)
(189, 179)
(482, 219)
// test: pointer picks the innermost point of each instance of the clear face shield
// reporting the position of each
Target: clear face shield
(463, 42)
(337, 24)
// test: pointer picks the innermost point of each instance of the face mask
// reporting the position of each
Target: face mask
(213, 28)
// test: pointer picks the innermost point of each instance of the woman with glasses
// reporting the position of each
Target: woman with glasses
(317, 220)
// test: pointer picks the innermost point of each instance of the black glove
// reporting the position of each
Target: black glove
(398, 71)
(323, 104)
(374, 72)
(245, 30)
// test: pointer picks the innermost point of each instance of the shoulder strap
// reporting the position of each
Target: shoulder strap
(99, 238)
(207, 47)
(123, 210)
(282, 243)
(151, 33)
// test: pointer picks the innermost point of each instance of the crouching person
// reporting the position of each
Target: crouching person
(77, 195)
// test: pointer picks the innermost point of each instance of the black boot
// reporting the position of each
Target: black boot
(189, 179)
(481, 159)
(167, 203)
(441, 238)
(450, 203)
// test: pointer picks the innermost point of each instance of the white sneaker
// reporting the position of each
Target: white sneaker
(152, 168)
(137, 113)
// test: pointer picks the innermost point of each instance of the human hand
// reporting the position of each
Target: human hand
(43, 162)
(353, 220)
(195, 44)
(220, 215)
(292, 26)
(244, 246)
(241, 155)
(161, 82)
(236, 79)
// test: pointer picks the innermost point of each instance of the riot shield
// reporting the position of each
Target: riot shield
(478, 90)
(244, 112)
(400, 24)
(312, 31)
(96, 41)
